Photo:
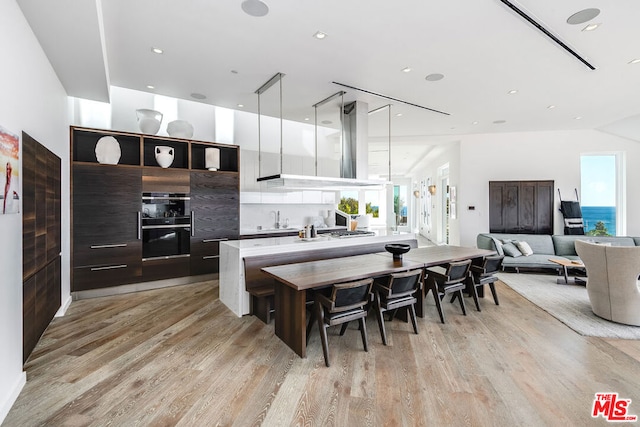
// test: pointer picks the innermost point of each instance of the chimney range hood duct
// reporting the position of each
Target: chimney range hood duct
(351, 158)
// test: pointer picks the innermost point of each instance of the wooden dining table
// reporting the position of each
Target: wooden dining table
(295, 279)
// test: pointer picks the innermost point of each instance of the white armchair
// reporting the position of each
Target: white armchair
(612, 280)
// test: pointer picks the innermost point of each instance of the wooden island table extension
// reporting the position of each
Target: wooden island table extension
(294, 280)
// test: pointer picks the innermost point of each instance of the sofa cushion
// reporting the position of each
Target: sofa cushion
(565, 245)
(539, 243)
(533, 261)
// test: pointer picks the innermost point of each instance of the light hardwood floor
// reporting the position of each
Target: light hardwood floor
(177, 356)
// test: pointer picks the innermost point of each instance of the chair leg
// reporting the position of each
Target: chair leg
(494, 293)
(343, 328)
(323, 332)
(379, 316)
(453, 297)
(475, 296)
(464, 311)
(436, 297)
(412, 314)
(363, 332)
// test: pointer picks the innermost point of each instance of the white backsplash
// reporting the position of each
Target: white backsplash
(254, 215)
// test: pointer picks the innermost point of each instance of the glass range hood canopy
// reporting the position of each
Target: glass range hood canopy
(308, 182)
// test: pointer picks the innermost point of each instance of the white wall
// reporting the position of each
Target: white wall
(553, 155)
(33, 101)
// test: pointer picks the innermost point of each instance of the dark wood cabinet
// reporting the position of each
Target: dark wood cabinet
(521, 207)
(41, 239)
(107, 204)
(107, 249)
(215, 205)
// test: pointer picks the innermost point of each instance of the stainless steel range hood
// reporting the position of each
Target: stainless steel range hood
(354, 152)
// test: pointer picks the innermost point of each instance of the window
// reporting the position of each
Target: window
(400, 204)
(600, 185)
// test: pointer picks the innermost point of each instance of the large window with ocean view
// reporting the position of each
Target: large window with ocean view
(599, 194)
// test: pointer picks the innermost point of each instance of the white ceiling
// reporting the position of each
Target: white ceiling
(482, 47)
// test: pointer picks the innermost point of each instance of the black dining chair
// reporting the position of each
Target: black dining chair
(485, 274)
(448, 280)
(346, 302)
(394, 292)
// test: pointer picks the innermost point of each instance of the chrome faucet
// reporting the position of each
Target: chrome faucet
(276, 215)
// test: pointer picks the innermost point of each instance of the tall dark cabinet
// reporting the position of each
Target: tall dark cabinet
(521, 207)
(107, 213)
(41, 240)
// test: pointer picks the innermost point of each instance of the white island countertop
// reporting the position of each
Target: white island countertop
(232, 252)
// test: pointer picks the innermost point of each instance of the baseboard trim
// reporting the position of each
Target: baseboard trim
(63, 308)
(13, 396)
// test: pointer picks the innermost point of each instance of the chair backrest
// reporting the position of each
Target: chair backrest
(458, 270)
(492, 263)
(346, 296)
(405, 283)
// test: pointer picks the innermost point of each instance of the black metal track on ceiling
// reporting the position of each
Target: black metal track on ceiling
(547, 33)
(388, 97)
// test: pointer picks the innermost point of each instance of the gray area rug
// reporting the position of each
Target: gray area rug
(567, 303)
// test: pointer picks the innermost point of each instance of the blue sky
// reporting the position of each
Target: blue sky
(598, 180)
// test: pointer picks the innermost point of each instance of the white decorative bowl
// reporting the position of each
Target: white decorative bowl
(164, 155)
(180, 129)
(149, 120)
(108, 150)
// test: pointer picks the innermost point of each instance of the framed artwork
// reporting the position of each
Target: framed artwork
(9, 172)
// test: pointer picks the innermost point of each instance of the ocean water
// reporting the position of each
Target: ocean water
(592, 214)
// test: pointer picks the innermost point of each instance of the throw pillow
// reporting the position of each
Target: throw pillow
(524, 248)
(511, 250)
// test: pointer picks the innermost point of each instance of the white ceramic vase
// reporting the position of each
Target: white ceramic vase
(212, 158)
(164, 155)
(149, 120)
(108, 150)
(180, 129)
(330, 220)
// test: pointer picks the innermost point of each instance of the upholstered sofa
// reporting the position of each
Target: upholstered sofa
(612, 282)
(544, 247)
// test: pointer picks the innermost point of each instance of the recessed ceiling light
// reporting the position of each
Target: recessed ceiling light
(398, 114)
(583, 16)
(634, 61)
(320, 35)
(240, 105)
(578, 118)
(157, 50)
(434, 77)
(196, 95)
(474, 123)
(306, 119)
(150, 87)
(499, 122)
(591, 27)
(406, 69)
(512, 92)
(255, 8)
(551, 107)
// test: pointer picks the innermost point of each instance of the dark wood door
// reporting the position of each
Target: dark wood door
(521, 207)
(41, 237)
(107, 250)
(216, 213)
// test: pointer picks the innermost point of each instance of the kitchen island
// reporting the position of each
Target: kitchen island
(233, 292)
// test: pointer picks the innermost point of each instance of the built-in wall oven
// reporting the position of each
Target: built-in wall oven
(166, 225)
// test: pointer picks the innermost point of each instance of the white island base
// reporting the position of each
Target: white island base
(232, 252)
